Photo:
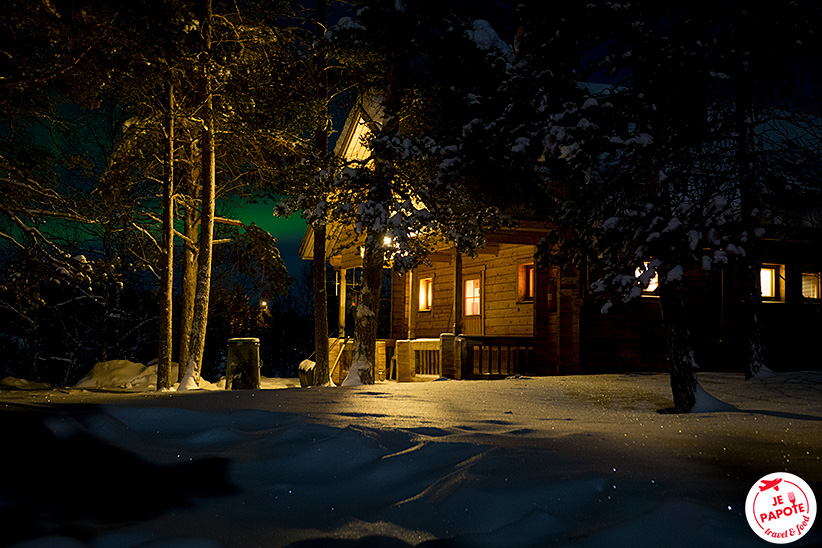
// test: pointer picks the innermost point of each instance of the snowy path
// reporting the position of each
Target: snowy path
(560, 461)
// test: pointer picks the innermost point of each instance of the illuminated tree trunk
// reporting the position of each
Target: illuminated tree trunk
(167, 274)
(363, 360)
(322, 374)
(189, 281)
(195, 360)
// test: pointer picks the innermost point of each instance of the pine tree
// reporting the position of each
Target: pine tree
(603, 159)
(420, 70)
(770, 134)
(637, 169)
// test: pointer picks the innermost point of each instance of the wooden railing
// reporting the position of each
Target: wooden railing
(340, 354)
(462, 357)
(426, 354)
(496, 356)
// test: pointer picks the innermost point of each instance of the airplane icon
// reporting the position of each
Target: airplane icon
(767, 484)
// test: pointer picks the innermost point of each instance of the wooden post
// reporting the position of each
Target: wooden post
(457, 292)
(448, 365)
(405, 361)
(411, 308)
(343, 305)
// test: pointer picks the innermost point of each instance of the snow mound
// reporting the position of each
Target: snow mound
(764, 373)
(705, 403)
(123, 374)
(12, 383)
(133, 376)
(189, 382)
(136, 377)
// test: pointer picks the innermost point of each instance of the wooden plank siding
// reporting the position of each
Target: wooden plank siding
(502, 314)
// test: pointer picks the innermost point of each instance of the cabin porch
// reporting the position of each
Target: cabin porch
(454, 357)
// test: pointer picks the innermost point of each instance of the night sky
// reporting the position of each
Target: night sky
(289, 232)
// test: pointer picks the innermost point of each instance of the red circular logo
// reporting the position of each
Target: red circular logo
(780, 508)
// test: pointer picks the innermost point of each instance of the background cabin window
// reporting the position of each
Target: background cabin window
(426, 293)
(525, 286)
(770, 278)
(472, 297)
(811, 285)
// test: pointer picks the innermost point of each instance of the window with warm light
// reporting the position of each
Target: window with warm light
(653, 283)
(526, 283)
(426, 294)
(770, 279)
(811, 285)
(472, 297)
(767, 279)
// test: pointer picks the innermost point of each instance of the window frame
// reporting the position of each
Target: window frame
(474, 298)
(777, 285)
(526, 283)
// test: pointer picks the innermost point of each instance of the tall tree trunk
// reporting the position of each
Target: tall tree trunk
(189, 283)
(200, 321)
(363, 360)
(750, 286)
(681, 361)
(322, 374)
(167, 274)
(680, 351)
(751, 289)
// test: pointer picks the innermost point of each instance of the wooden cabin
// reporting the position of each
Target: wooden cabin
(497, 314)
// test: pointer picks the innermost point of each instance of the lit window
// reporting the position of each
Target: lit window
(767, 279)
(653, 283)
(472, 297)
(525, 286)
(770, 278)
(426, 293)
(811, 285)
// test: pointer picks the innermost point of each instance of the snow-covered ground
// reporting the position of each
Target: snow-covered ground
(579, 461)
